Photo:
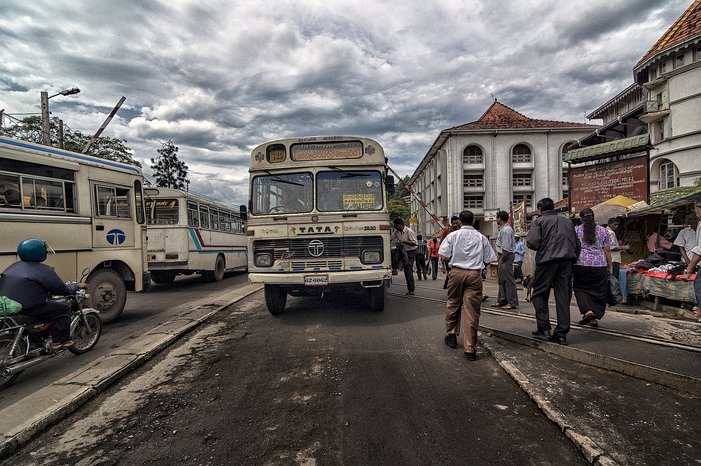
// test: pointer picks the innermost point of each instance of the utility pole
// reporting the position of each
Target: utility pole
(45, 124)
(60, 134)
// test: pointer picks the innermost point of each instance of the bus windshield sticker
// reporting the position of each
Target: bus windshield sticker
(358, 201)
(327, 151)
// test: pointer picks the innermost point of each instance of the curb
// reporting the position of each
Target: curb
(66, 395)
(676, 381)
(591, 451)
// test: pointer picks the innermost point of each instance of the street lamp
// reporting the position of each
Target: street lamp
(46, 127)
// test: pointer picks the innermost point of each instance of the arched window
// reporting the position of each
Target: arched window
(568, 147)
(669, 175)
(521, 153)
(472, 154)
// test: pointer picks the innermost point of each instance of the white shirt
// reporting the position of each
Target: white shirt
(686, 239)
(697, 247)
(615, 251)
(467, 248)
(407, 234)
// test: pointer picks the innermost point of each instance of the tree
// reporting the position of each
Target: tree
(30, 128)
(399, 209)
(168, 171)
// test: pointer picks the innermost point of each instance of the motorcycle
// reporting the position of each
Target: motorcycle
(25, 341)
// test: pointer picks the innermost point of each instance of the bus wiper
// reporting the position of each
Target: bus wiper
(280, 180)
(347, 174)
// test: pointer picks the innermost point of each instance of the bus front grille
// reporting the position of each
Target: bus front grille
(330, 248)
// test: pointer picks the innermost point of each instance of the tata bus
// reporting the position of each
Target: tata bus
(318, 219)
(89, 210)
(189, 233)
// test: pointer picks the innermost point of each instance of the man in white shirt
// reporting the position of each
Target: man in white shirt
(695, 256)
(616, 259)
(407, 238)
(467, 252)
(686, 239)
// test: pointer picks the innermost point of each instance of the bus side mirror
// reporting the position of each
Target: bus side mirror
(244, 212)
(389, 184)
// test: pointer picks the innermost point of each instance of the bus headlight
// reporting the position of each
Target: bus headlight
(371, 257)
(263, 259)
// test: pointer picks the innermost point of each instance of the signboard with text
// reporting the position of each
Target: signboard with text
(594, 184)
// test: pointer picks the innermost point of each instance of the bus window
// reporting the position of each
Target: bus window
(215, 218)
(225, 221)
(283, 193)
(163, 212)
(193, 219)
(112, 202)
(204, 217)
(139, 198)
(349, 190)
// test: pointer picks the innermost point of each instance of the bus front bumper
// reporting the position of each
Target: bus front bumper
(364, 278)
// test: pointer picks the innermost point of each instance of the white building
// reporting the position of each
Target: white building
(670, 72)
(492, 163)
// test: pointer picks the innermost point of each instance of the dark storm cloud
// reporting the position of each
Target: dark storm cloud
(219, 78)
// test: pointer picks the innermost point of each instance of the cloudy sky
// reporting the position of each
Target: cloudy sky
(220, 77)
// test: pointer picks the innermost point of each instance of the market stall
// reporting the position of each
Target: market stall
(650, 227)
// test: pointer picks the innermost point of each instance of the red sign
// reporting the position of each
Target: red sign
(594, 184)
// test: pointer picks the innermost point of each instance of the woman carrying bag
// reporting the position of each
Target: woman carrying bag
(592, 270)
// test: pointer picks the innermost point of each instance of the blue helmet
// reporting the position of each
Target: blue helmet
(32, 250)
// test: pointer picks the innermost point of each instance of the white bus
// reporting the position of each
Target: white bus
(188, 233)
(90, 210)
(318, 218)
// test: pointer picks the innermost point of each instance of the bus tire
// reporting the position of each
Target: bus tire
(108, 293)
(275, 299)
(217, 274)
(377, 299)
(163, 277)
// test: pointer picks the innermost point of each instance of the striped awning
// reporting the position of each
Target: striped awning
(608, 149)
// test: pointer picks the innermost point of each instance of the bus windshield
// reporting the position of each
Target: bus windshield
(162, 212)
(348, 190)
(283, 193)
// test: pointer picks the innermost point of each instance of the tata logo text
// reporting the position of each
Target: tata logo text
(116, 237)
(313, 230)
(315, 248)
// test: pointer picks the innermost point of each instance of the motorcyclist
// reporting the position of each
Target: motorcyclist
(32, 284)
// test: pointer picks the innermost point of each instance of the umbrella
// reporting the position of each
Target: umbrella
(603, 212)
(620, 200)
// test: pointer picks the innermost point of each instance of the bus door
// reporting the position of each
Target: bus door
(113, 222)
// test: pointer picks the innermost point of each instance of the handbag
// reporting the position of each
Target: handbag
(9, 306)
(614, 295)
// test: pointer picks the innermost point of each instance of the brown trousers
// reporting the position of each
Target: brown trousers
(464, 295)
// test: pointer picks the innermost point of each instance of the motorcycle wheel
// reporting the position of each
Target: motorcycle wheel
(86, 337)
(5, 345)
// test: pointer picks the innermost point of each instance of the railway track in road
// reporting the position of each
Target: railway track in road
(616, 333)
(648, 358)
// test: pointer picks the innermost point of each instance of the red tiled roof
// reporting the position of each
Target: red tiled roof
(499, 116)
(687, 26)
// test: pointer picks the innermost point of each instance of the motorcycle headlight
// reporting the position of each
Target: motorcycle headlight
(371, 257)
(263, 259)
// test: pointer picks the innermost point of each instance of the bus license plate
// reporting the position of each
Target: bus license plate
(316, 280)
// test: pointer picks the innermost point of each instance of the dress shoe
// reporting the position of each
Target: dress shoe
(410, 293)
(557, 339)
(540, 335)
(451, 340)
(470, 356)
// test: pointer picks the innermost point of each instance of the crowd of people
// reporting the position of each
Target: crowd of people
(571, 257)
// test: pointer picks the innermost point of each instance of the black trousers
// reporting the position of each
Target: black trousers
(557, 275)
(421, 266)
(59, 314)
(409, 270)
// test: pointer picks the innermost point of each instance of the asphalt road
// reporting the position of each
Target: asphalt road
(328, 382)
(143, 312)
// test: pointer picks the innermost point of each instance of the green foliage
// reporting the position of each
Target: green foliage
(168, 171)
(30, 128)
(399, 208)
(401, 191)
